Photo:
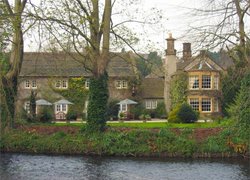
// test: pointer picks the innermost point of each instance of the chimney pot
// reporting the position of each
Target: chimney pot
(170, 45)
(187, 53)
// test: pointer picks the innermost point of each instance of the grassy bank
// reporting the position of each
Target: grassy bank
(150, 124)
(136, 142)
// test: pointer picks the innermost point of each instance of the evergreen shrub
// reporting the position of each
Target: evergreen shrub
(186, 114)
(160, 111)
(71, 115)
(46, 115)
(112, 110)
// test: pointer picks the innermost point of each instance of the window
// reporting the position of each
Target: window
(206, 81)
(61, 84)
(206, 104)
(27, 84)
(58, 107)
(30, 84)
(194, 103)
(121, 84)
(27, 106)
(216, 105)
(193, 82)
(154, 104)
(216, 82)
(123, 107)
(64, 107)
(61, 108)
(64, 84)
(151, 104)
(58, 84)
(87, 82)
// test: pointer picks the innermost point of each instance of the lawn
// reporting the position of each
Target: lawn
(151, 124)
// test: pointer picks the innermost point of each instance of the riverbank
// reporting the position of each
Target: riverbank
(156, 142)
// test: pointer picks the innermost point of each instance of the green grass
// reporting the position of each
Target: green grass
(166, 125)
(147, 125)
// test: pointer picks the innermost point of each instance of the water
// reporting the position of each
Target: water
(39, 167)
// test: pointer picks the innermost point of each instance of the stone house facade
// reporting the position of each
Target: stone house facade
(46, 72)
(49, 73)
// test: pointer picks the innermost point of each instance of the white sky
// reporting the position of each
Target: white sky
(176, 18)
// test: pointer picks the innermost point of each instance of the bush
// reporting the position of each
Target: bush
(172, 118)
(182, 113)
(137, 110)
(160, 111)
(186, 114)
(112, 110)
(71, 115)
(45, 115)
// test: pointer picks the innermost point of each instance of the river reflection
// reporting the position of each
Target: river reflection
(32, 167)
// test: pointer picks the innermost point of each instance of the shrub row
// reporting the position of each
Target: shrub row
(113, 142)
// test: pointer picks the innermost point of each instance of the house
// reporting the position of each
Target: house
(204, 73)
(50, 75)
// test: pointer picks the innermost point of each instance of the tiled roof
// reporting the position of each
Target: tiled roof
(65, 65)
(152, 88)
(221, 59)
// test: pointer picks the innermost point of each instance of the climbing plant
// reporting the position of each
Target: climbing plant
(75, 93)
(178, 89)
(98, 99)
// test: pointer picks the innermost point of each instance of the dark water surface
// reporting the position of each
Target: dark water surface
(32, 167)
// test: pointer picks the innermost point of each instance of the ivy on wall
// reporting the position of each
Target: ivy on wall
(178, 89)
(75, 93)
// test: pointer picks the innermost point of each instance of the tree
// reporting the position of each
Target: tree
(226, 27)
(8, 80)
(85, 28)
(147, 65)
(240, 110)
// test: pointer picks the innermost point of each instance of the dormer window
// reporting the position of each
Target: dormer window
(61, 84)
(121, 84)
(30, 84)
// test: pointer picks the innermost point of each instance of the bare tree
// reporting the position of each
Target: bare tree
(87, 27)
(222, 24)
(8, 80)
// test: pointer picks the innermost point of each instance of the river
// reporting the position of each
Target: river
(46, 167)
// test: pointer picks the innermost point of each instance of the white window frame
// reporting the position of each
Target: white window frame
(151, 104)
(27, 106)
(194, 103)
(216, 82)
(121, 84)
(206, 104)
(193, 82)
(64, 84)
(206, 82)
(27, 84)
(61, 108)
(87, 83)
(124, 107)
(61, 84)
(30, 84)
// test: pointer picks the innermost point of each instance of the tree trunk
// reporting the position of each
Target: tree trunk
(9, 81)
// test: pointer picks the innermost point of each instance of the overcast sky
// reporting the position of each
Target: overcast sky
(174, 20)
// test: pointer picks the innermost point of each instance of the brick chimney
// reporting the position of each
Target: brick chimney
(170, 45)
(187, 54)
